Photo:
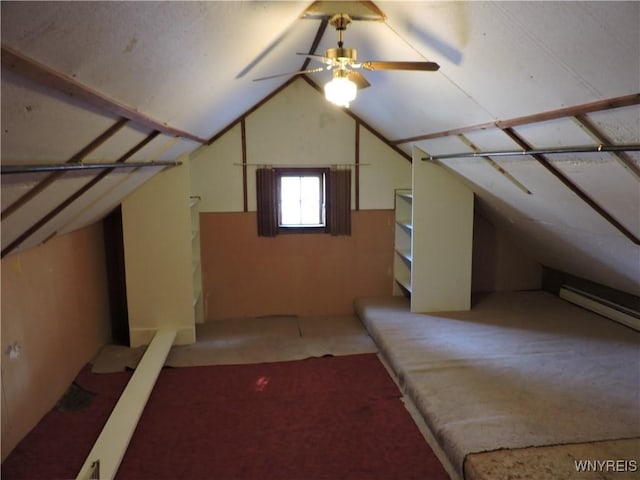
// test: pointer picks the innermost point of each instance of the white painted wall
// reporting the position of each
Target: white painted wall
(215, 178)
(385, 169)
(442, 239)
(296, 127)
(158, 262)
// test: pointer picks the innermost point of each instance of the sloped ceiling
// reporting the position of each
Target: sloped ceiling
(189, 66)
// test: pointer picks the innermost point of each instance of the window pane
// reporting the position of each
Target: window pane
(301, 200)
(290, 200)
(310, 201)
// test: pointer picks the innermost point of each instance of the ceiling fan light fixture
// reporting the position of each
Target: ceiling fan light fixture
(340, 90)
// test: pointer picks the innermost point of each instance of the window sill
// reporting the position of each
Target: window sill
(302, 230)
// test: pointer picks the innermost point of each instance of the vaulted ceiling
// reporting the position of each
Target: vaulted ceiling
(105, 82)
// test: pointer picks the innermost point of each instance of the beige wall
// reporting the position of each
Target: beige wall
(55, 308)
(244, 275)
(306, 274)
(296, 127)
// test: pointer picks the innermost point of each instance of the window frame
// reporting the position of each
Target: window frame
(321, 172)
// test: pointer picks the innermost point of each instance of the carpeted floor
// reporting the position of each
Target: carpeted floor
(253, 340)
(613, 459)
(59, 444)
(320, 418)
(519, 370)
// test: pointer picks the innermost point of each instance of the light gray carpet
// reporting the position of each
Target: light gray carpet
(518, 370)
(253, 340)
(563, 462)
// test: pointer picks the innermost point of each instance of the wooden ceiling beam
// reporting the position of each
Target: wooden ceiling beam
(494, 165)
(622, 157)
(608, 104)
(444, 133)
(316, 41)
(78, 157)
(69, 200)
(50, 78)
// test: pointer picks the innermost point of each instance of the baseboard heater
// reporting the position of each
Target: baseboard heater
(601, 306)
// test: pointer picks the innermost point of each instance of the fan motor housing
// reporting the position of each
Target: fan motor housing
(342, 55)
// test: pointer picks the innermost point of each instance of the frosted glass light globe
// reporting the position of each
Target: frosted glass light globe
(340, 91)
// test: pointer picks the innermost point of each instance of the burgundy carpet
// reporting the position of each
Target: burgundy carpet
(320, 418)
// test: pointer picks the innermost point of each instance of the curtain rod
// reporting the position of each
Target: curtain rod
(12, 169)
(300, 165)
(634, 147)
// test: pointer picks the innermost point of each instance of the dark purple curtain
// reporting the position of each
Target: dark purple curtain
(267, 212)
(339, 201)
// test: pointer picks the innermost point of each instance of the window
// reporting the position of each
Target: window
(301, 194)
(303, 200)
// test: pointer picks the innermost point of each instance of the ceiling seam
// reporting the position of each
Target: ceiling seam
(539, 42)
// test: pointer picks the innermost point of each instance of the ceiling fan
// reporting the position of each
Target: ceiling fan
(346, 80)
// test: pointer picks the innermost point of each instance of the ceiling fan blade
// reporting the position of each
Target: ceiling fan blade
(358, 79)
(297, 72)
(418, 66)
(320, 58)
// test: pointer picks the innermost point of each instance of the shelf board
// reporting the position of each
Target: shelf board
(196, 299)
(405, 285)
(405, 224)
(405, 254)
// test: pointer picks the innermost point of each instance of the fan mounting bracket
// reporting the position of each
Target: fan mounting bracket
(340, 21)
(357, 10)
